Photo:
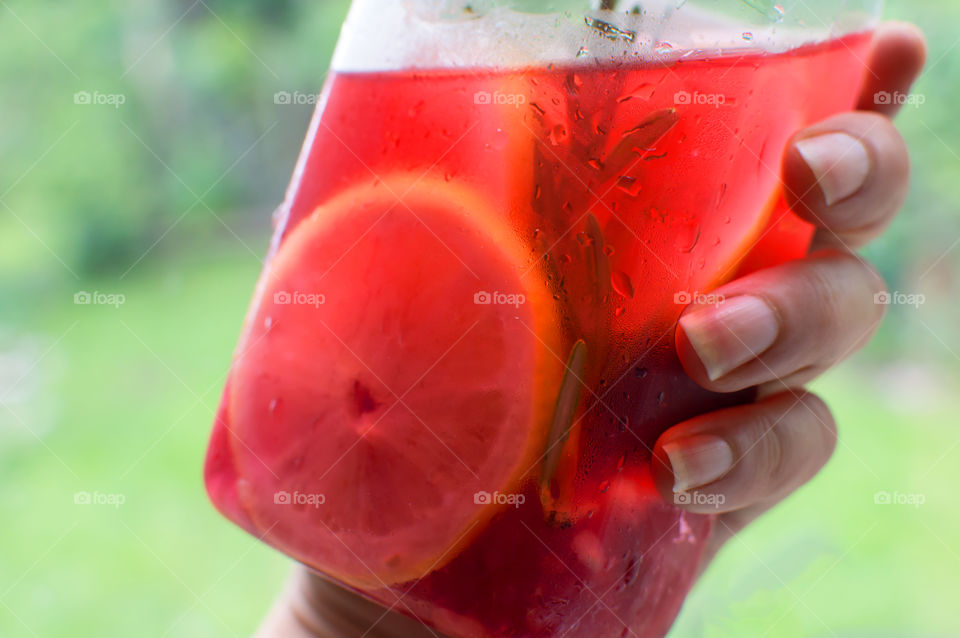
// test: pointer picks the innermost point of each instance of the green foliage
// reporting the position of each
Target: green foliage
(190, 100)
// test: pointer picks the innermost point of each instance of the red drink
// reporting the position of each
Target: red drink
(605, 197)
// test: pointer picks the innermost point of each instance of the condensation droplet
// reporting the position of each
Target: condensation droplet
(664, 47)
(629, 185)
(686, 238)
(622, 284)
(558, 135)
(642, 91)
(500, 140)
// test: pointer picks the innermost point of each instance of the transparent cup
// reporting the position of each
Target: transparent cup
(462, 349)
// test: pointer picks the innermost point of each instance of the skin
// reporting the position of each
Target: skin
(824, 305)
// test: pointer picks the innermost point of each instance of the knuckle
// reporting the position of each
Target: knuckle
(815, 433)
(762, 443)
(845, 290)
(825, 302)
(821, 414)
(799, 438)
(890, 157)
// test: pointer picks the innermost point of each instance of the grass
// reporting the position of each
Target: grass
(122, 405)
(121, 402)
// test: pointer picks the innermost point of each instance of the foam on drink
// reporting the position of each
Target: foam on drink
(382, 35)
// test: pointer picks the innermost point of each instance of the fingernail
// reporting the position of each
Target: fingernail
(731, 333)
(838, 161)
(698, 460)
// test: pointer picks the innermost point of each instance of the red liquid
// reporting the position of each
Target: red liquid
(635, 183)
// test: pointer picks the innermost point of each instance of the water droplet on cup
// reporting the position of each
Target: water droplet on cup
(622, 284)
(664, 47)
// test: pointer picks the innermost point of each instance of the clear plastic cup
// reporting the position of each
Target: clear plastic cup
(461, 352)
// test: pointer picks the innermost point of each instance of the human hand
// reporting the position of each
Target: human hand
(782, 327)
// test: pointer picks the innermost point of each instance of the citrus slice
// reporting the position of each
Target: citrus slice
(750, 246)
(395, 382)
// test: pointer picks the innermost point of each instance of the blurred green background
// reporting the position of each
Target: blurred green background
(166, 199)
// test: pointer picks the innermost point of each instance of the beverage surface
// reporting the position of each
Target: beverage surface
(461, 351)
(385, 35)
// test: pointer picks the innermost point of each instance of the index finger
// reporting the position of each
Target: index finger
(898, 54)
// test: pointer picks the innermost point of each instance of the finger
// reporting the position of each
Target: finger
(848, 175)
(898, 54)
(785, 324)
(744, 457)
